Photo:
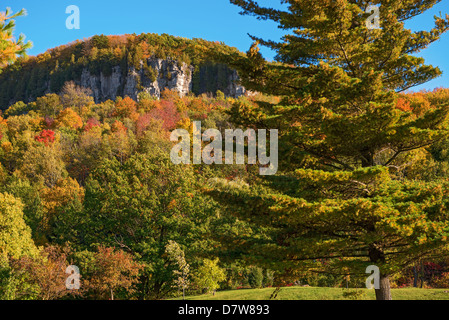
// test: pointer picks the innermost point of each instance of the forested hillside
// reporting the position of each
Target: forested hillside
(122, 65)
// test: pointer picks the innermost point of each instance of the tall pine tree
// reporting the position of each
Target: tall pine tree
(345, 193)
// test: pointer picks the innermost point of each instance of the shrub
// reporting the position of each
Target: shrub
(268, 279)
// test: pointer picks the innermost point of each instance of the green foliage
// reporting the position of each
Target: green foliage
(17, 109)
(43, 165)
(142, 204)
(49, 105)
(14, 285)
(352, 294)
(33, 209)
(322, 280)
(363, 176)
(210, 77)
(346, 143)
(15, 235)
(255, 277)
(182, 269)
(268, 279)
(100, 42)
(150, 73)
(209, 275)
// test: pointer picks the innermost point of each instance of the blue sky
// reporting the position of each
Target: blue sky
(215, 20)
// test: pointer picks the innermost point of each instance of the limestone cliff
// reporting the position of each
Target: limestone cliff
(168, 74)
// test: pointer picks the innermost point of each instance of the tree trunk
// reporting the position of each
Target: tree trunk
(376, 255)
(415, 277)
(421, 274)
(384, 292)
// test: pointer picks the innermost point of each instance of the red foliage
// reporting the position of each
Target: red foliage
(46, 136)
(142, 123)
(167, 113)
(49, 122)
(92, 122)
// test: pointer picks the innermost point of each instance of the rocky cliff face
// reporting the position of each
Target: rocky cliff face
(164, 74)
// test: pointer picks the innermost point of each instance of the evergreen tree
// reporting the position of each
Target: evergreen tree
(345, 195)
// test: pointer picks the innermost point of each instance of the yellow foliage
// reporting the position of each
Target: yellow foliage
(68, 118)
(61, 194)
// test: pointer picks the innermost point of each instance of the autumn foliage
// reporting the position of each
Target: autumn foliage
(110, 271)
(46, 137)
(68, 118)
(125, 108)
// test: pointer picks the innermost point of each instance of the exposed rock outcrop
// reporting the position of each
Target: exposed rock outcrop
(166, 74)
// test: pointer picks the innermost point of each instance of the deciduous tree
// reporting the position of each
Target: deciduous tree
(112, 270)
(209, 275)
(15, 235)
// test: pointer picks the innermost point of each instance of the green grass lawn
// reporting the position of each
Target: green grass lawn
(314, 293)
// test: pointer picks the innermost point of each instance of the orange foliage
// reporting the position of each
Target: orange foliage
(113, 269)
(419, 103)
(171, 95)
(403, 105)
(118, 126)
(118, 53)
(423, 101)
(68, 118)
(117, 40)
(146, 53)
(126, 108)
(37, 123)
(47, 272)
(198, 105)
(3, 125)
